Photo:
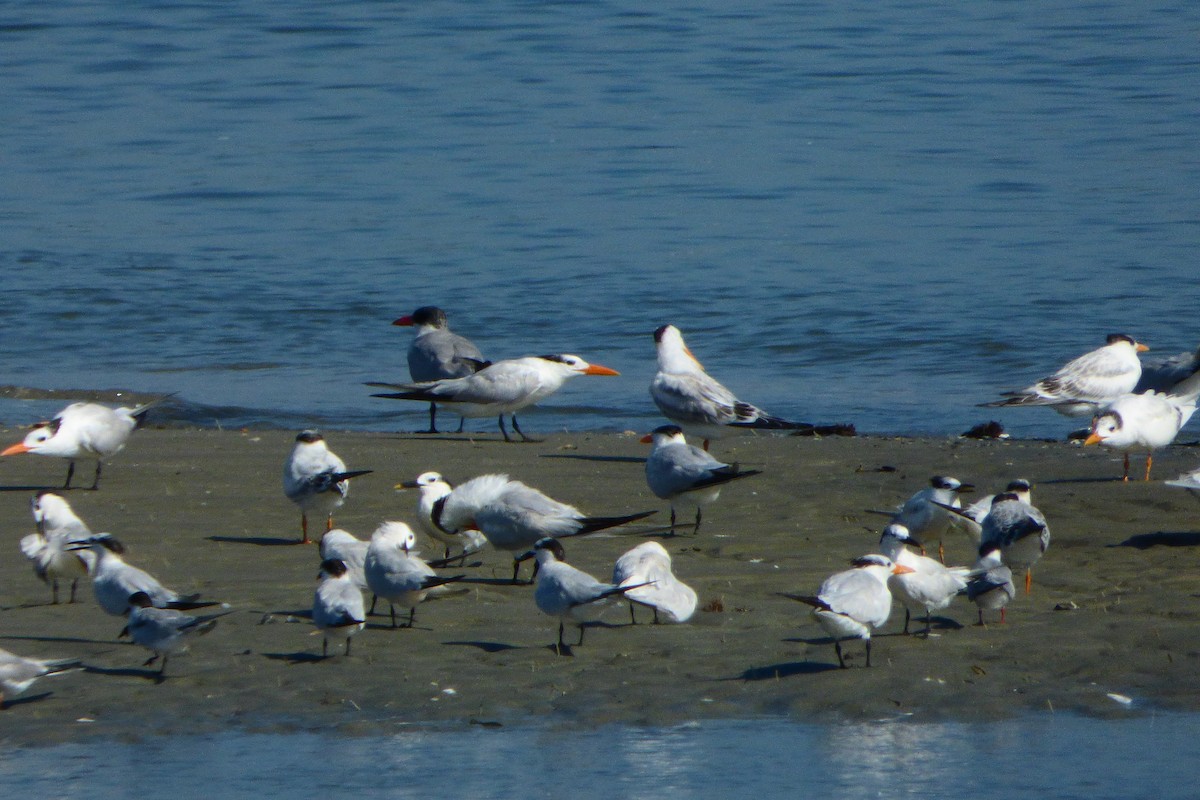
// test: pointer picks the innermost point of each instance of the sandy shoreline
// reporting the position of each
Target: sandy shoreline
(203, 510)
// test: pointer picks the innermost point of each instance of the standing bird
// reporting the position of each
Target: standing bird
(432, 487)
(929, 587)
(568, 593)
(315, 478)
(1088, 383)
(396, 573)
(514, 516)
(57, 527)
(504, 387)
(991, 584)
(337, 605)
(115, 582)
(688, 396)
(924, 514)
(1020, 532)
(685, 474)
(649, 567)
(850, 603)
(17, 673)
(83, 432)
(164, 631)
(1145, 422)
(978, 510)
(436, 352)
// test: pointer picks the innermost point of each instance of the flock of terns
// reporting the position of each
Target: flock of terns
(1133, 410)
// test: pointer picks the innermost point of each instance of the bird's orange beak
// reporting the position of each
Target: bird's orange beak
(596, 369)
(16, 449)
(647, 439)
(1092, 439)
(1141, 348)
(406, 321)
(900, 569)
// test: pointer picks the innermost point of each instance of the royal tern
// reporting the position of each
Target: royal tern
(83, 432)
(1088, 383)
(396, 573)
(115, 581)
(164, 631)
(1165, 373)
(923, 515)
(337, 604)
(850, 603)
(1145, 422)
(929, 587)
(432, 487)
(684, 474)
(649, 566)
(58, 526)
(568, 593)
(690, 397)
(437, 352)
(514, 516)
(1019, 530)
(314, 478)
(17, 673)
(504, 387)
(991, 584)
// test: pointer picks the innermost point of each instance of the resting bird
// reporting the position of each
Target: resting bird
(925, 515)
(648, 566)
(929, 587)
(49, 549)
(436, 352)
(337, 605)
(684, 474)
(396, 572)
(314, 478)
(17, 674)
(432, 487)
(115, 582)
(165, 631)
(991, 584)
(1145, 422)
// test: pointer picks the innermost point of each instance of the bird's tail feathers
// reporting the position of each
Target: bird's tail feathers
(593, 524)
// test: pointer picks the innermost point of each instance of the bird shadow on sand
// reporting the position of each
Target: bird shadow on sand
(487, 647)
(302, 657)
(1144, 541)
(772, 672)
(42, 489)
(29, 698)
(61, 640)
(602, 459)
(1070, 481)
(260, 541)
(125, 672)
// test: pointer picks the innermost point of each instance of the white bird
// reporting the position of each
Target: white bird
(850, 603)
(923, 514)
(1088, 383)
(684, 474)
(436, 352)
(514, 516)
(1019, 530)
(396, 573)
(504, 387)
(929, 587)
(991, 584)
(83, 432)
(18, 673)
(314, 478)
(115, 582)
(164, 631)
(337, 604)
(58, 526)
(691, 398)
(344, 546)
(1145, 422)
(649, 566)
(432, 487)
(568, 593)
(978, 510)
(1165, 373)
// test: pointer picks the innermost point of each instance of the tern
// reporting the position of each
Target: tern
(115, 582)
(684, 474)
(974, 514)
(314, 478)
(396, 573)
(504, 387)
(1145, 422)
(1088, 383)
(164, 631)
(1019, 530)
(48, 549)
(1188, 480)
(924, 514)
(991, 584)
(850, 603)
(514, 516)
(649, 566)
(437, 352)
(431, 488)
(337, 605)
(17, 673)
(83, 432)
(929, 587)
(1164, 374)
(568, 593)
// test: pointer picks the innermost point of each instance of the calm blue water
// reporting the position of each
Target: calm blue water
(1059, 757)
(882, 213)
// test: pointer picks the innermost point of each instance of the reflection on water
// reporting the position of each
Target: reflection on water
(1059, 756)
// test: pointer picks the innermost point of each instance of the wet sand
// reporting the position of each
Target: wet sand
(1114, 606)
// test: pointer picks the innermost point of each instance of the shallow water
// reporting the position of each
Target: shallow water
(879, 214)
(1059, 756)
